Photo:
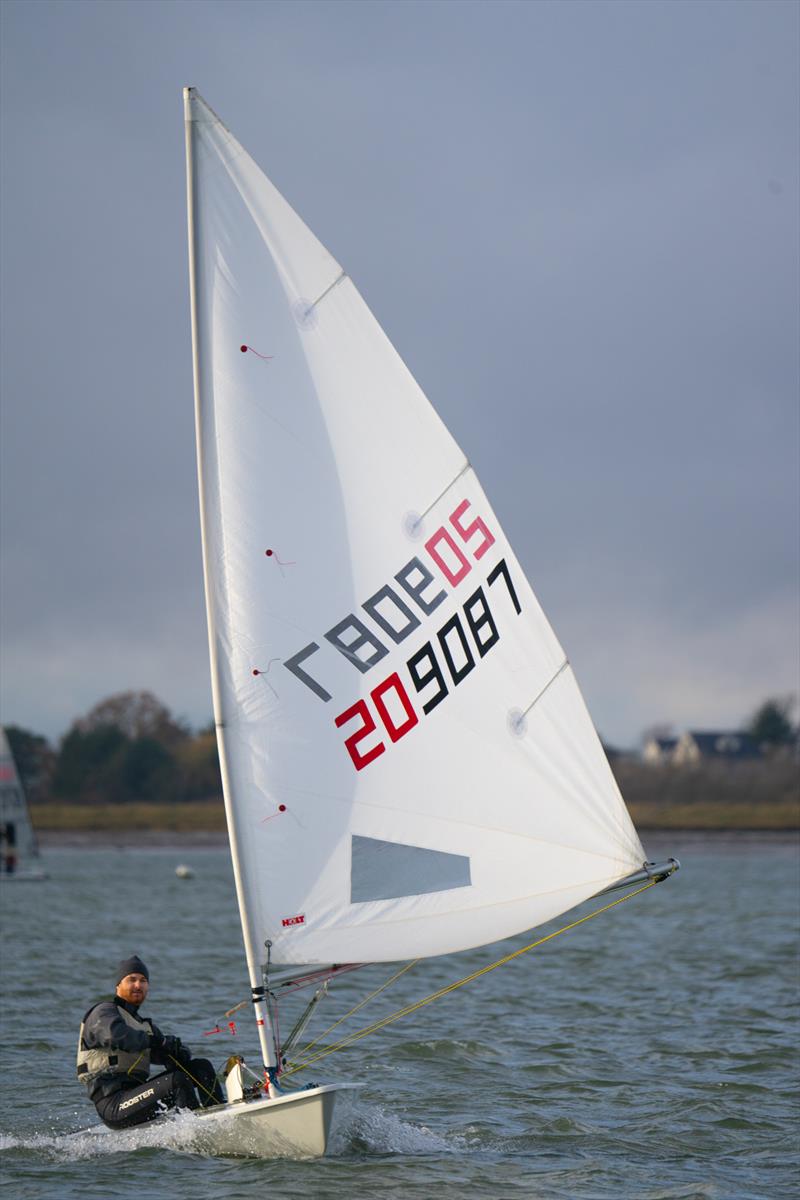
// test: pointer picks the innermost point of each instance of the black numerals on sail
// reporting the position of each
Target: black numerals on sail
(502, 570)
(424, 667)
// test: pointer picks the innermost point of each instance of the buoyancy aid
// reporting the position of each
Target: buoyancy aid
(104, 1060)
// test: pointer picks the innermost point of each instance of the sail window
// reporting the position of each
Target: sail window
(387, 870)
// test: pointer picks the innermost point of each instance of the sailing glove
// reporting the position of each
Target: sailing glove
(166, 1046)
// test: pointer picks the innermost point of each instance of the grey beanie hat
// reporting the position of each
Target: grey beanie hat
(132, 966)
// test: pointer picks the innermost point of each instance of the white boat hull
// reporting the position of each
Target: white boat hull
(295, 1125)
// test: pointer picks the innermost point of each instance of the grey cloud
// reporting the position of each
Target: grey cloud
(565, 216)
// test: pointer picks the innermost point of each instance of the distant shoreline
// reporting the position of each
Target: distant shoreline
(657, 843)
(188, 840)
(202, 824)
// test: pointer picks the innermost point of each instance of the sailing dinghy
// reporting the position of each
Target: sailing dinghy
(408, 765)
(19, 851)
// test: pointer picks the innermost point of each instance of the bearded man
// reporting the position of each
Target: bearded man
(117, 1047)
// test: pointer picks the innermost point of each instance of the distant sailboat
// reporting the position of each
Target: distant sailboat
(18, 848)
(408, 765)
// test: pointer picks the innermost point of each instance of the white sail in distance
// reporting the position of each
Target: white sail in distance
(16, 831)
(409, 766)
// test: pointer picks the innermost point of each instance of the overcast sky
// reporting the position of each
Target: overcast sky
(577, 222)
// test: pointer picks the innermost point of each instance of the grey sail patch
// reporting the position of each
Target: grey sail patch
(387, 870)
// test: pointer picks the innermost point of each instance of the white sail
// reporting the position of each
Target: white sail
(17, 839)
(409, 766)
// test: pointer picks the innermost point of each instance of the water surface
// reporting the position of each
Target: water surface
(650, 1053)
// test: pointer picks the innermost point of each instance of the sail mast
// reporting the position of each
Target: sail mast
(263, 1021)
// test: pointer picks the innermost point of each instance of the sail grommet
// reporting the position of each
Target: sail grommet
(304, 314)
(413, 526)
(517, 722)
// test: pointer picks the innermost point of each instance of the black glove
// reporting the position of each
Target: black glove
(167, 1047)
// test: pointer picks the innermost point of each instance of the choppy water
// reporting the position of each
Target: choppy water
(651, 1053)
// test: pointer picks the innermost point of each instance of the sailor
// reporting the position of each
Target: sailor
(116, 1048)
(9, 838)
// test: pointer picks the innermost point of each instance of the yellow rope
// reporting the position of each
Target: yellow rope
(410, 1008)
(197, 1082)
(361, 1004)
(182, 1068)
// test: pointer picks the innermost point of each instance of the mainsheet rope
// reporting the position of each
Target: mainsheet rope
(357, 1035)
(361, 1004)
(201, 1086)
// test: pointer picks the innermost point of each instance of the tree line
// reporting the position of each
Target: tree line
(129, 747)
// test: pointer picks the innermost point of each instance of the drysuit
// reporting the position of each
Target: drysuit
(116, 1048)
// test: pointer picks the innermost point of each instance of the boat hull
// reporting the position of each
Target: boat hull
(295, 1125)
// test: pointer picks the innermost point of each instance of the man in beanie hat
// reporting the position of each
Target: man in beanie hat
(116, 1048)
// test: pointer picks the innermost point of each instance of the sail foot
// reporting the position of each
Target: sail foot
(655, 872)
